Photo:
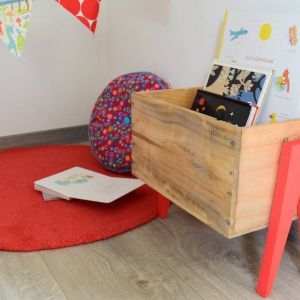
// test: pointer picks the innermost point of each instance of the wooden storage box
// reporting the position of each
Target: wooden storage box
(222, 174)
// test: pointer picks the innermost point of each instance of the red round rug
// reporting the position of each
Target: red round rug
(28, 223)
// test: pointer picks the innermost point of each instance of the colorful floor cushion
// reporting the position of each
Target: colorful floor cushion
(110, 123)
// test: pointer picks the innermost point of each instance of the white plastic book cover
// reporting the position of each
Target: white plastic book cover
(80, 183)
(270, 40)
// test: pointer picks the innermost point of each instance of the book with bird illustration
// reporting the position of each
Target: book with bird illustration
(271, 40)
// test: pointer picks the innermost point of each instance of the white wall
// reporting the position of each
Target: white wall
(61, 73)
(176, 39)
(63, 68)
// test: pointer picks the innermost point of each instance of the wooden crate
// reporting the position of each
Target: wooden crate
(222, 174)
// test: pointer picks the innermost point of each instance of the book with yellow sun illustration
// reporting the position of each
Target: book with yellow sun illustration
(239, 82)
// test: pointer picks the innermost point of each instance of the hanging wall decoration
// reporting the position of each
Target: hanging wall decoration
(85, 10)
(15, 17)
(14, 21)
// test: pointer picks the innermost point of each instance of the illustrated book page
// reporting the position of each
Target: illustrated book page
(83, 184)
(239, 82)
(269, 40)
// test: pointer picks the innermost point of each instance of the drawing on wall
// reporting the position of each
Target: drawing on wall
(265, 32)
(236, 34)
(14, 21)
(282, 82)
(293, 35)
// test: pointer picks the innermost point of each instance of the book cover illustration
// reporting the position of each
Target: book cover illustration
(234, 35)
(74, 179)
(282, 82)
(293, 35)
(83, 184)
(236, 83)
(233, 111)
(272, 42)
(241, 82)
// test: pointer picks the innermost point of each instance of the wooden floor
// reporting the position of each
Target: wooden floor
(175, 258)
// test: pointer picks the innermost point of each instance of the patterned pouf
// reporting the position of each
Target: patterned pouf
(110, 123)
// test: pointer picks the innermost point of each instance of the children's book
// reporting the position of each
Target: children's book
(83, 184)
(239, 82)
(226, 109)
(267, 39)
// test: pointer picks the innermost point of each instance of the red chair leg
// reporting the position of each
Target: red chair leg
(284, 207)
(298, 213)
(163, 206)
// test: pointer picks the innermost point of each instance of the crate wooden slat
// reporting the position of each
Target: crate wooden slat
(259, 158)
(222, 174)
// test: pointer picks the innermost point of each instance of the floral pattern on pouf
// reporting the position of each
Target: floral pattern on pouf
(110, 123)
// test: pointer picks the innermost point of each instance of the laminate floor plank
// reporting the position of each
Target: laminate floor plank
(193, 251)
(144, 274)
(196, 257)
(142, 258)
(118, 268)
(175, 258)
(24, 276)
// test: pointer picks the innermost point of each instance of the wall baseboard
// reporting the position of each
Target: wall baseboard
(68, 135)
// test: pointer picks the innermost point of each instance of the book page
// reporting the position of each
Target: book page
(270, 40)
(49, 197)
(80, 183)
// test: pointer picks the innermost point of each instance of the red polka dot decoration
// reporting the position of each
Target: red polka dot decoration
(85, 10)
(110, 123)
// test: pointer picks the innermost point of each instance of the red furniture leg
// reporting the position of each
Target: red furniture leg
(298, 213)
(284, 207)
(163, 206)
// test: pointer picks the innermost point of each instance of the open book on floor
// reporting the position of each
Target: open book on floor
(83, 184)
